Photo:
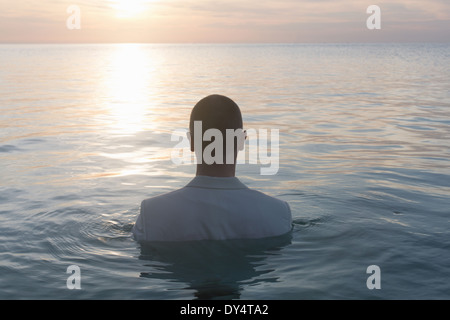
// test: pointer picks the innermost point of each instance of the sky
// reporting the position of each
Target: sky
(222, 21)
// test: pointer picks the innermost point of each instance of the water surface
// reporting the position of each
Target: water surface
(85, 135)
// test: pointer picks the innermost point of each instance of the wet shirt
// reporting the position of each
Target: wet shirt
(212, 208)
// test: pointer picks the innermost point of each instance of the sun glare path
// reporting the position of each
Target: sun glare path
(129, 89)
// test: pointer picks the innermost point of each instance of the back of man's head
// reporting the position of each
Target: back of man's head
(216, 112)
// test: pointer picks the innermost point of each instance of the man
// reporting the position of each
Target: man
(215, 205)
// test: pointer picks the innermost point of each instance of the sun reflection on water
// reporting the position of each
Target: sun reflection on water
(128, 87)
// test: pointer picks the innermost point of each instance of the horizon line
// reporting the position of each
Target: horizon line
(241, 43)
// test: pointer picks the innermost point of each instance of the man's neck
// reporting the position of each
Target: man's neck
(216, 170)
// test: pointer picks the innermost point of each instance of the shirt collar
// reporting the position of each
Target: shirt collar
(216, 183)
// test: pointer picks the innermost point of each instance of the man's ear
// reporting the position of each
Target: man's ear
(241, 140)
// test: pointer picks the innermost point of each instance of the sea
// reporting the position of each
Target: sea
(87, 132)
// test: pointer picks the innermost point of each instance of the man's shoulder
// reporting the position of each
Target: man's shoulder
(188, 198)
(163, 197)
(262, 195)
(265, 199)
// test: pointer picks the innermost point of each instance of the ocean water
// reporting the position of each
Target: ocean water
(364, 162)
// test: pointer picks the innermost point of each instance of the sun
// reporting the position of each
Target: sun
(129, 8)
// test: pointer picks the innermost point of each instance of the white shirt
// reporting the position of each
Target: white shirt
(212, 208)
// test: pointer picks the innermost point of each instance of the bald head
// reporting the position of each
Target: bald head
(218, 112)
(216, 135)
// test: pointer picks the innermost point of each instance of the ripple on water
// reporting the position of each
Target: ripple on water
(74, 234)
